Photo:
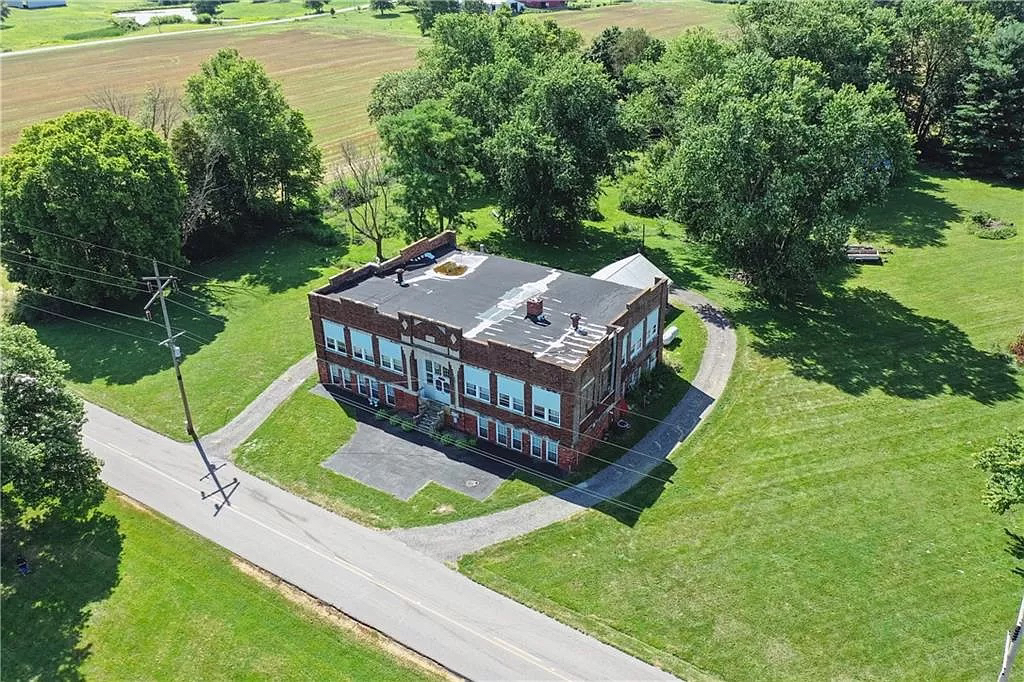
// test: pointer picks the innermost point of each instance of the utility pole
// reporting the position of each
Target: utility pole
(1012, 645)
(162, 282)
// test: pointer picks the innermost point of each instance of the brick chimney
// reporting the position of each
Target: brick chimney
(534, 307)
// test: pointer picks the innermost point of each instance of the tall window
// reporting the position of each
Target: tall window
(334, 336)
(477, 382)
(552, 451)
(652, 325)
(501, 433)
(335, 371)
(536, 446)
(547, 405)
(482, 428)
(636, 339)
(362, 346)
(390, 355)
(589, 393)
(389, 394)
(649, 361)
(517, 438)
(510, 394)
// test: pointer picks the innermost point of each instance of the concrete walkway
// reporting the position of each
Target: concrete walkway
(222, 442)
(449, 541)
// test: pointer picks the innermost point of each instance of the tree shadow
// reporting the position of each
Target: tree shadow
(74, 565)
(387, 15)
(594, 248)
(914, 215)
(629, 507)
(1015, 548)
(862, 339)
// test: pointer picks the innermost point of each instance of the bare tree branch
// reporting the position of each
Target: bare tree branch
(113, 100)
(198, 199)
(368, 201)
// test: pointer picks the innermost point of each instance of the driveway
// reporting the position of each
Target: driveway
(386, 458)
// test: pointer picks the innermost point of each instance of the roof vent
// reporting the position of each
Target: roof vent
(534, 307)
(400, 277)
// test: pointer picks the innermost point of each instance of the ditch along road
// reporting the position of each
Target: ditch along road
(399, 589)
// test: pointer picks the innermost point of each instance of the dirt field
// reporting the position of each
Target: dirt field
(326, 76)
(664, 19)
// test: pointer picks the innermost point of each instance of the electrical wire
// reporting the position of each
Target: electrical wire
(98, 326)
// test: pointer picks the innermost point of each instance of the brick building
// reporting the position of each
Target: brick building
(530, 358)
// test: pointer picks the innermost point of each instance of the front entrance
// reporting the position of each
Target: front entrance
(437, 381)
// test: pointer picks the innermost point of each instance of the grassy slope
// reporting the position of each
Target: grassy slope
(826, 523)
(83, 20)
(130, 595)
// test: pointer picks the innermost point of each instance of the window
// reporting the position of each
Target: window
(536, 446)
(390, 355)
(501, 433)
(335, 371)
(624, 340)
(652, 325)
(389, 394)
(362, 345)
(510, 394)
(477, 382)
(517, 438)
(482, 428)
(334, 336)
(589, 394)
(650, 361)
(547, 405)
(636, 337)
(363, 384)
(374, 389)
(552, 451)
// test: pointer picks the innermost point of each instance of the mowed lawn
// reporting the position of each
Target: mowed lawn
(664, 19)
(827, 522)
(129, 595)
(326, 66)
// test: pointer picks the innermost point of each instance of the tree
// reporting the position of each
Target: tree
(771, 166)
(931, 59)
(95, 177)
(269, 167)
(382, 6)
(427, 12)
(397, 91)
(555, 147)
(5, 11)
(433, 153)
(616, 49)
(209, 7)
(44, 468)
(113, 100)
(851, 39)
(160, 109)
(315, 5)
(987, 127)
(1004, 463)
(365, 195)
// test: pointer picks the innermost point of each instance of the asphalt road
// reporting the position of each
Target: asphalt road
(374, 578)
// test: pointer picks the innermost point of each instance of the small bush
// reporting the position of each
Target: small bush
(204, 19)
(986, 226)
(125, 25)
(1017, 348)
(448, 440)
(395, 420)
(997, 232)
(623, 228)
(169, 19)
(640, 195)
(318, 233)
(407, 425)
(381, 414)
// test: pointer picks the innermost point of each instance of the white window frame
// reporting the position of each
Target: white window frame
(336, 373)
(334, 343)
(516, 438)
(509, 401)
(501, 433)
(650, 361)
(359, 352)
(388, 361)
(544, 412)
(536, 446)
(548, 453)
(389, 394)
(473, 388)
(483, 425)
(636, 340)
(651, 323)
(360, 379)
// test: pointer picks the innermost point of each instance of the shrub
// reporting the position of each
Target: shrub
(395, 420)
(168, 19)
(448, 439)
(986, 226)
(623, 228)
(1017, 348)
(204, 19)
(381, 414)
(125, 25)
(1004, 232)
(407, 425)
(318, 233)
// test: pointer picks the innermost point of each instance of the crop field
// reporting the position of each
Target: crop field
(664, 19)
(326, 66)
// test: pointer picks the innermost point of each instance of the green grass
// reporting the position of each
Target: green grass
(827, 521)
(289, 448)
(662, 19)
(86, 20)
(130, 595)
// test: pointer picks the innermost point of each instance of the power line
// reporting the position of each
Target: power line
(94, 307)
(72, 274)
(98, 326)
(33, 257)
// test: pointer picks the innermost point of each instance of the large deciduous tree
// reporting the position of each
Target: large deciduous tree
(987, 128)
(88, 176)
(363, 189)
(268, 168)
(1004, 463)
(554, 149)
(433, 156)
(44, 469)
(771, 165)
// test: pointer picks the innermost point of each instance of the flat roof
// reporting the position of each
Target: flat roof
(488, 302)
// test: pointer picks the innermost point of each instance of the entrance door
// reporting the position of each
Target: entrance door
(437, 381)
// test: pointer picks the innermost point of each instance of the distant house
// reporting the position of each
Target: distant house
(546, 4)
(527, 357)
(514, 5)
(38, 4)
(633, 271)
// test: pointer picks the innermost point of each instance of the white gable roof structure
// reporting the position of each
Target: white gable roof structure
(633, 271)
